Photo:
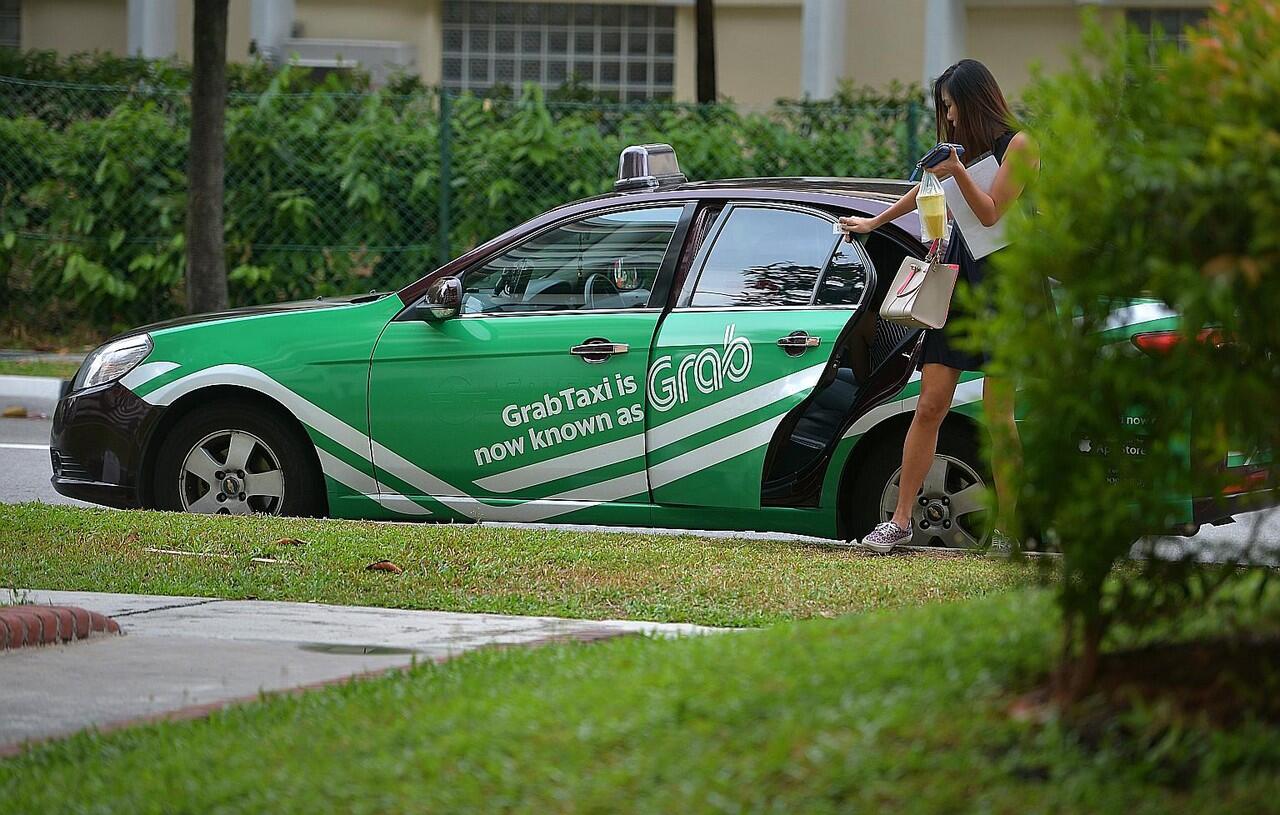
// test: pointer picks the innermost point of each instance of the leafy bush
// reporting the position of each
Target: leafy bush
(1159, 179)
(332, 188)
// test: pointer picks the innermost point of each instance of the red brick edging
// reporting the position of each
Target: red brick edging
(44, 625)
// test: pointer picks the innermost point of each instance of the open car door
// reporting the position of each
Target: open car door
(755, 328)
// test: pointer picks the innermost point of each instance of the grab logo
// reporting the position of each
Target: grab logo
(708, 369)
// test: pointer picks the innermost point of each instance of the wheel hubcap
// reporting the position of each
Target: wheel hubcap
(231, 472)
(949, 509)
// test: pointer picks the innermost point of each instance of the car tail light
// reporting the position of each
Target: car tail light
(1160, 343)
(1250, 482)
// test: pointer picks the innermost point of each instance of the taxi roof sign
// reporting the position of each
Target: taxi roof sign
(644, 166)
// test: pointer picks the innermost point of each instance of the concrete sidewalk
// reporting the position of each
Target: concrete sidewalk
(183, 656)
(39, 395)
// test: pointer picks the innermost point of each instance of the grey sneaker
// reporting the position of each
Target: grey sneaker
(885, 536)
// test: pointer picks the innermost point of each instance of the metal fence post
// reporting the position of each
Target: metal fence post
(913, 140)
(446, 177)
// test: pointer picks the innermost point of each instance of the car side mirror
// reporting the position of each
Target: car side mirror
(442, 301)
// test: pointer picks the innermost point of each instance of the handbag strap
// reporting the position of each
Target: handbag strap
(934, 254)
(915, 270)
(930, 260)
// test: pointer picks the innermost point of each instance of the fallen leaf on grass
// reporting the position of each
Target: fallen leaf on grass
(290, 542)
(383, 566)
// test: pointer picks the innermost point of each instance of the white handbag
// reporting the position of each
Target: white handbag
(920, 295)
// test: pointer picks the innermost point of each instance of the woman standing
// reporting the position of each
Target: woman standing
(972, 112)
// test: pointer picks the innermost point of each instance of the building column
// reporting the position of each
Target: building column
(823, 62)
(271, 23)
(153, 28)
(944, 37)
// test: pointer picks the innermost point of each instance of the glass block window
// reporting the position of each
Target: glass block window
(1171, 22)
(622, 51)
(10, 23)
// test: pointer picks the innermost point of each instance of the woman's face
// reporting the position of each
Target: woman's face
(949, 107)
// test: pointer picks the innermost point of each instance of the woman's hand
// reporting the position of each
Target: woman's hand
(949, 166)
(854, 225)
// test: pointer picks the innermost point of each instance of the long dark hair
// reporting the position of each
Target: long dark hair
(983, 115)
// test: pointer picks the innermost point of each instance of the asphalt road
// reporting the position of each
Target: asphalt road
(25, 473)
(24, 463)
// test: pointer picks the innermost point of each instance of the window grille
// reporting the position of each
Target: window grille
(624, 52)
(1172, 24)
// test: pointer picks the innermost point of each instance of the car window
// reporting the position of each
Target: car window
(844, 280)
(605, 261)
(764, 257)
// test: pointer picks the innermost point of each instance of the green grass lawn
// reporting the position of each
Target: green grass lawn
(61, 370)
(729, 582)
(877, 712)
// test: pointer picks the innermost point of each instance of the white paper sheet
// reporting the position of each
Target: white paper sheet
(981, 240)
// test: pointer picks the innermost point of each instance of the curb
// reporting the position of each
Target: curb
(37, 394)
(206, 709)
(46, 625)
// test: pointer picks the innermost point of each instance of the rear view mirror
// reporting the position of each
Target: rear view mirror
(442, 301)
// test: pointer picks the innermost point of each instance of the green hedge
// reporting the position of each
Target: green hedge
(332, 188)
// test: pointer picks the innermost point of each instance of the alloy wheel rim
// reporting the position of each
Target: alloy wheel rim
(949, 509)
(231, 472)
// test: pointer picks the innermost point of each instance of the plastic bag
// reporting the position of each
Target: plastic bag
(931, 204)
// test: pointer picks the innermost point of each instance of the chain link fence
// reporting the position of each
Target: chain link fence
(331, 193)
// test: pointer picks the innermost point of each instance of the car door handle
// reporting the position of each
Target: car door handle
(598, 350)
(797, 342)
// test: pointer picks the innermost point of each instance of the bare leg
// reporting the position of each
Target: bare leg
(937, 387)
(1006, 448)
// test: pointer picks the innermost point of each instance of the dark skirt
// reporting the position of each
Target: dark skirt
(939, 343)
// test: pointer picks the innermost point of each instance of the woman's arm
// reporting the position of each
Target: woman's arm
(900, 207)
(1005, 189)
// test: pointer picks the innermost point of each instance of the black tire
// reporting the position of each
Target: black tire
(958, 447)
(276, 444)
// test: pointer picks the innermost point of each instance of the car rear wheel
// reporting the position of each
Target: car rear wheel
(232, 458)
(949, 509)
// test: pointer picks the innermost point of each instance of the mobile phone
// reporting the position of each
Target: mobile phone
(939, 154)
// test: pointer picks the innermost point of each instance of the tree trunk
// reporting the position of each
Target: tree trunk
(1082, 671)
(206, 263)
(706, 36)
(1061, 682)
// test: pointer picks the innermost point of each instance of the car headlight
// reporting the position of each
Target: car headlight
(112, 361)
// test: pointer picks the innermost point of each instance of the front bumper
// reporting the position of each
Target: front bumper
(98, 444)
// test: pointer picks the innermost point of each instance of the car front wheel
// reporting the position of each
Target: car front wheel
(231, 458)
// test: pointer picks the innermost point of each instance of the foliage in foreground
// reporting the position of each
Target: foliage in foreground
(1161, 180)
(476, 568)
(875, 712)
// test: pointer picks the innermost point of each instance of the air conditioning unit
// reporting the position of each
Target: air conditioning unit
(381, 58)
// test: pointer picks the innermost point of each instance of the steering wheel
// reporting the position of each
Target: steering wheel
(589, 289)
